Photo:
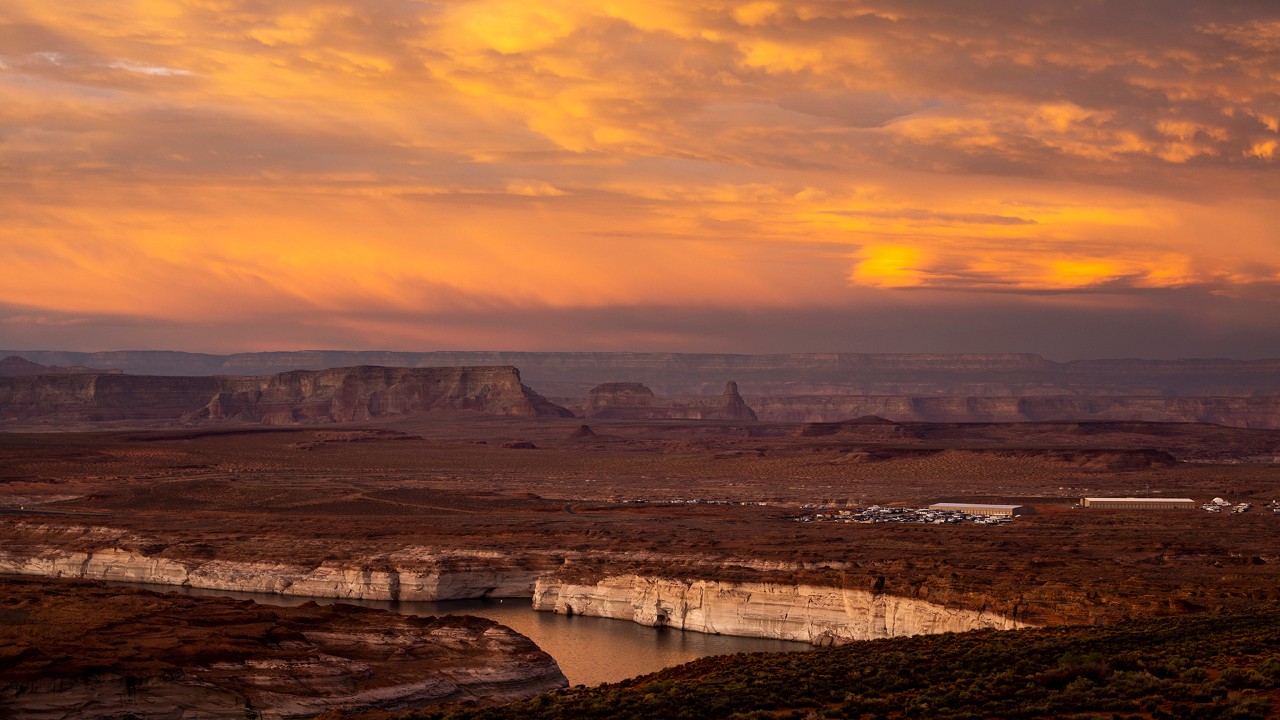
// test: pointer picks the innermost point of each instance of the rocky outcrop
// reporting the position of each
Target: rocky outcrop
(412, 574)
(1246, 412)
(76, 650)
(573, 374)
(791, 611)
(621, 400)
(818, 615)
(732, 406)
(634, 401)
(808, 387)
(340, 395)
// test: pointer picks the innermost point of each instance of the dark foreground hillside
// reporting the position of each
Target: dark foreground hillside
(1205, 666)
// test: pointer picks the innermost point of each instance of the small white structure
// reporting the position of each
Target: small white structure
(1132, 503)
(984, 509)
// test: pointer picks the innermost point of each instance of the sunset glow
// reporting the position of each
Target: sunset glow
(488, 173)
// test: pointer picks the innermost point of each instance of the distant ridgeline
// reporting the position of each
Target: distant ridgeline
(997, 387)
(337, 395)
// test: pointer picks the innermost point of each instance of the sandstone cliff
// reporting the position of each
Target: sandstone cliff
(408, 574)
(671, 374)
(1247, 412)
(76, 650)
(635, 401)
(818, 615)
(338, 395)
(604, 400)
(784, 610)
(819, 387)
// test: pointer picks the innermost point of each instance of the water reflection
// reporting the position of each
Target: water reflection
(589, 650)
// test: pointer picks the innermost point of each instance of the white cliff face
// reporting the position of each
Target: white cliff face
(815, 614)
(818, 615)
(410, 576)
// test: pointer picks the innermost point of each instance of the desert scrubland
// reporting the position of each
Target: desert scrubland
(379, 485)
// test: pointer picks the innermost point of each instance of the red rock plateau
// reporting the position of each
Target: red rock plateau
(76, 649)
(1007, 387)
(338, 395)
(634, 401)
(1249, 412)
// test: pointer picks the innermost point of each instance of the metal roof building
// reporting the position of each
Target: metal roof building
(983, 509)
(1132, 503)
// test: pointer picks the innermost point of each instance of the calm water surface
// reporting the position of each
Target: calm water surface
(589, 650)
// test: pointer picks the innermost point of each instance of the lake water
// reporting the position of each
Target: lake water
(589, 650)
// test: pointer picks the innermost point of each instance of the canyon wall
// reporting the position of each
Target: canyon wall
(817, 615)
(573, 374)
(1007, 387)
(412, 574)
(337, 395)
(635, 401)
(1246, 412)
(809, 613)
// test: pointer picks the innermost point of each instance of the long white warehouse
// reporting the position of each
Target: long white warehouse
(1132, 503)
(983, 509)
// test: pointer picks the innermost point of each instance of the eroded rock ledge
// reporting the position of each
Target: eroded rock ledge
(807, 613)
(351, 394)
(411, 574)
(81, 650)
(818, 614)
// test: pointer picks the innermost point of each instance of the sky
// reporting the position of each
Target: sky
(1097, 178)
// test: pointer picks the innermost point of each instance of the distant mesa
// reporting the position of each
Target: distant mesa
(629, 398)
(635, 401)
(799, 387)
(14, 366)
(339, 395)
(573, 374)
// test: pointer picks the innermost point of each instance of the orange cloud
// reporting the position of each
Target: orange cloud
(202, 159)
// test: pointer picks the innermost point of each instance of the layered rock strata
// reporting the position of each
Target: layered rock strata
(634, 401)
(339, 395)
(572, 374)
(414, 574)
(76, 650)
(807, 613)
(1248, 412)
(783, 388)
